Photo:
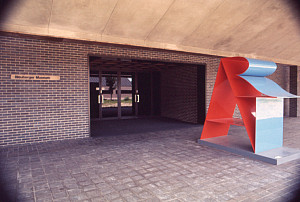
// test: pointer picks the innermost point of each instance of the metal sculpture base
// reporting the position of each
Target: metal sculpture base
(241, 146)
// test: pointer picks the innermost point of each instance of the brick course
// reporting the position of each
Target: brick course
(179, 93)
(281, 77)
(293, 89)
(39, 111)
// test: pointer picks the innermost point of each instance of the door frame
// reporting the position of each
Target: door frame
(119, 93)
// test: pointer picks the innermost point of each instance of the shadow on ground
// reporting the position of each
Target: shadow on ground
(136, 126)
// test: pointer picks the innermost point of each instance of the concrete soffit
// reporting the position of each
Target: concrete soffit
(267, 30)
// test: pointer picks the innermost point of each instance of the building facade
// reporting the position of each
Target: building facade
(180, 85)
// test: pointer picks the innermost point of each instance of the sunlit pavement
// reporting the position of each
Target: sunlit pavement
(162, 163)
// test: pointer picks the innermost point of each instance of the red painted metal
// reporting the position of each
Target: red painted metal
(231, 90)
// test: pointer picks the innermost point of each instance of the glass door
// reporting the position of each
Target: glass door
(127, 94)
(116, 96)
(109, 98)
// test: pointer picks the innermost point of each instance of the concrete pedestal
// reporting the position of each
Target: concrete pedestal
(241, 146)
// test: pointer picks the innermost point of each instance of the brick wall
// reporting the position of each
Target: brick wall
(298, 90)
(38, 111)
(293, 89)
(281, 77)
(292, 106)
(179, 93)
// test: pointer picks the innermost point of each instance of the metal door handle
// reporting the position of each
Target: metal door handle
(137, 98)
(100, 99)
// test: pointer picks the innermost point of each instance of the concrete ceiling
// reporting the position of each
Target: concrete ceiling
(264, 29)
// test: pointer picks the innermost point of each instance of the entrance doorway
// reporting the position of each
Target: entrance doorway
(122, 88)
(113, 94)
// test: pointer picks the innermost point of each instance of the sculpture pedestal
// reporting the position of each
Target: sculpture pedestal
(239, 144)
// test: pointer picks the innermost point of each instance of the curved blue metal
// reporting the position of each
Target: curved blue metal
(268, 87)
(255, 75)
(259, 68)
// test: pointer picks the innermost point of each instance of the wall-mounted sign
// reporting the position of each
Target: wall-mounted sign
(34, 77)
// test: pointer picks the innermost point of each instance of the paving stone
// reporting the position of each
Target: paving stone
(85, 183)
(25, 199)
(43, 195)
(161, 165)
(112, 196)
(59, 194)
(97, 199)
(93, 193)
(43, 199)
(89, 187)
(118, 200)
(58, 184)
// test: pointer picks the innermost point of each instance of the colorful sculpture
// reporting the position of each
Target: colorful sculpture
(242, 81)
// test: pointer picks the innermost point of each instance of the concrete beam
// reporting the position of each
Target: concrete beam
(267, 30)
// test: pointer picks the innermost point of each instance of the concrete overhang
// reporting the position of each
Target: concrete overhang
(263, 29)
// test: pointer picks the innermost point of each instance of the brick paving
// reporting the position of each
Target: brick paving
(155, 165)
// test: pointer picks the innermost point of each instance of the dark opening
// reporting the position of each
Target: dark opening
(147, 86)
(201, 108)
(149, 91)
(93, 101)
(144, 85)
(156, 86)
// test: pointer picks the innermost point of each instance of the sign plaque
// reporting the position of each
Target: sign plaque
(34, 77)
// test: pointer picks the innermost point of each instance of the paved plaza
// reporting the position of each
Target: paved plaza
(144, 160)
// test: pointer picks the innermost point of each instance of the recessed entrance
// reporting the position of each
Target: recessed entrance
(129, 88)
(122, 89)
